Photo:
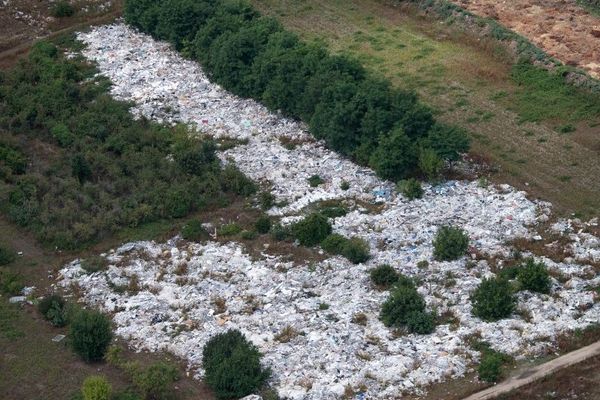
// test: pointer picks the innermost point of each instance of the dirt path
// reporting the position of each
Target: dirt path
(538, 372)
(562, 28)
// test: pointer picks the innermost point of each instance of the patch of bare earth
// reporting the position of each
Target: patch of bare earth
(562, 28)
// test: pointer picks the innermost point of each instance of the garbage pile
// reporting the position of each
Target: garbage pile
(174, 296)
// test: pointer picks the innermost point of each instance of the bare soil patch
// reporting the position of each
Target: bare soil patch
(562, 28)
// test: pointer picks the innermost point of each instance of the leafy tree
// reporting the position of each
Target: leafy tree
(490, 367)
(449, 142)
(179, 20)
(430, 163)
(263, 224)
(53, 308)
(356, 250)
(450, 243)
(402, 308)
(81, 168)
(232, 366)
(410, 188)
(420, 322)
(394, 158)
(534, 276)
(90, 335)
(311, 230)
(493, 299)
(384, 276)
(194, 231)
(154, 381)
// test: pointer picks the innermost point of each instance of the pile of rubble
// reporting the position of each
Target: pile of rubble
(317, 324)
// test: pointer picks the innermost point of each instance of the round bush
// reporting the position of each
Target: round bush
(232, 366)
(96, 388)
(334, 243)
(356, 250)
(490, 367)
(53, 308)
(263, 225)
(493, 299)
(62, 9)
(534, 276)
(311, 230)
(90, 335)
(154, 381)
(194, 231)
(450, 243)
(384, 276)
(403, 301)
(410, 188)
(420, 322)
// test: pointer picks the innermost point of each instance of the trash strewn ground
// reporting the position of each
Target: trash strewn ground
(173, 296)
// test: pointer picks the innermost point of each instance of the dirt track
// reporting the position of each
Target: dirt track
(562, 28)
(538, 372)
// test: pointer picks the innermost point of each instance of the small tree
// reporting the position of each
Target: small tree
(90, 334)
(232, 366)
(420, 322)
(410, 188)
(400, 308)
(334, 243)
(450, 243)
(154, 381)
(493, 299)
(96, 388)
(430, 163)
(311, 230)
(534, 276)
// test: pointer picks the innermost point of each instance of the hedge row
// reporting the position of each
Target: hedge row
(76, 165)
(357, 114)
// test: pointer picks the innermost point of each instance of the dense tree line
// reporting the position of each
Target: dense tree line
(75, 166)
(357, 114)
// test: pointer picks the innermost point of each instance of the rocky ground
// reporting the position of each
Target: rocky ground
(562, 28)
(317, 323)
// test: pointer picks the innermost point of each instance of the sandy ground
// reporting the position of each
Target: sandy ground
(560, 27)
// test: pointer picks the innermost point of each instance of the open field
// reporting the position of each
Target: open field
(468, 81)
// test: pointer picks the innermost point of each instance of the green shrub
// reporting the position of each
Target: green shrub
(234, 181)
(267, 200)
(410, 188)
(90, 335)
(430, 163)
(490, 367)
(405, 307)
(263, 224)
(334, 243)
(248, 235)
(384, 276)
(280, 233)
(230, 229)
(420, 322)
(356, 250)
(53, 308)
(10, 282)
(94, 264)
(194, 231)
(493, 299)
(450, 243)
(311, 230)
(333, 211)
(63, 136)
(534, 276)
(154, 381)
(6, 255)
(62, 9)
(96, 388)
(315, 181)
(344, 185)
(232, 366)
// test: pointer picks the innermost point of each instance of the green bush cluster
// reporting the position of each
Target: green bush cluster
(490, 367)
(7, 255)
(90, 335)
(534, 276)
(493, 299)
(263, 224)
(450, 243)
(410, 188)
(232, 366)
(385, 276)
(109, 170)
(311, 230)
(96, 388)
(358, 115)
(10, 282)
(62, 9)
(354, 249)
(54, 308)
(153, 382)
(194, 231)
(405, 307)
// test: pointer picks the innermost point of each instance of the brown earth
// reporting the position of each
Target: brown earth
(562, 28)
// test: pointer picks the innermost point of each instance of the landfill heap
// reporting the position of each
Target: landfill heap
(174, 296)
